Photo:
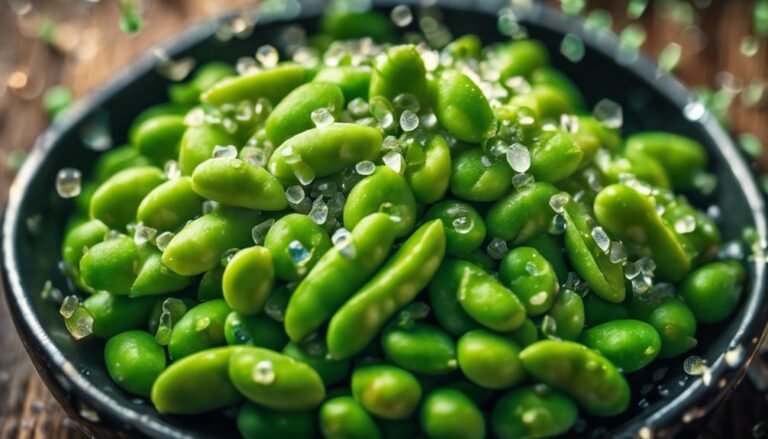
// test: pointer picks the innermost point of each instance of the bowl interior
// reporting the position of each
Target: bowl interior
(36, 215)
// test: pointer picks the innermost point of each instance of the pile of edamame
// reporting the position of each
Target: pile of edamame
(378, 239)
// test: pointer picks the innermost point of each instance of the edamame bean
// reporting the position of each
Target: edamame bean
(344, 24)
(680, 156)
(197, 145)
(386, 391)
(429, 179)
(520, 58)
(444, 298)
(210, 285)
(79, 239)
(188, 93)
(281, 241)
(383, 191)
(704, 238)
(420, 348)
(526, 334)
(293, 114)
(320, 152)
(524, 271)
(115, 314)
(551, 249)
(115, 160)
(489, 360)
(354, 81)
(400, 62)
(464, 227)
(274, 380)
(462, 109)
(111, 265)
(154, 277)
(234, 182)
(488, 302)
(672, 319)
(586, 376)
(196, 384)
(477, 177)
(199, 246)
(533, 411)
(629, 344)
(338, 275)
(631, 216)
(315, 354)
(116, 200)
(134, 361)
(200, 328)
(523, 214)
(597, 311)
(713, 290)
(157, 138)
(449, 414)
(254, 422)
(170, 205)
(257, 330)
(248, 280)
(605, 278)
(555, 156)
(554, 78)
(272, 84)
(396, 284)
(344, 418)
(568, 315)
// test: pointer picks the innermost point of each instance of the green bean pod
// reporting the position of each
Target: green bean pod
(115, 314)
(396, 284)
(680, 156)
(154, 277)
(555, 156)
(568, 315)
(111, 265)
(158, 137)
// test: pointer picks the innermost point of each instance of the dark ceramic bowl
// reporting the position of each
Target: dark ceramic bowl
(74, 371)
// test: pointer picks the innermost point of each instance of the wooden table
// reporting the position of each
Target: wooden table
(92, 50)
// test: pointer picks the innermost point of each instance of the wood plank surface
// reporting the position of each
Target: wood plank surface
(92, 49)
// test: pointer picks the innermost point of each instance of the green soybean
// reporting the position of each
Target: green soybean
(272, 84)
(116, 200)
(523, 214)
(488, 302)
(256, 330)
(248, 280)
(344, 418)
(490, 360)
(170, 205)
(533, 411)
(234, 182)
(200, 328)
(477, 177)
(282, 237)
(383, 191)
(448, 413)
(255, 422)
(386, 391)
(713, 290)
(134, 361)
(420, 348)
(629, 344)
(429, 179)
(524, 271)
(464, 227)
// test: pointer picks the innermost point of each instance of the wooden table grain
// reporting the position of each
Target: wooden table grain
(90, 49)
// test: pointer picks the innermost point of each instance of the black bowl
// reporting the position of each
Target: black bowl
(74, 371)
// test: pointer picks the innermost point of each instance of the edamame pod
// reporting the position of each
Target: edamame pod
(200, 328)
(320, 152)
(289, 235)
(583, 374)
(273, 84)
(293, 114)
(338, 275)
(420, 348)
(199, 246)
(116, 200)
(631, 216)
(629, 344)
(170, 205)
(462, 108)
(383, 191)
(396, 284)
(234, 182)
(274, 380)
(489, 302)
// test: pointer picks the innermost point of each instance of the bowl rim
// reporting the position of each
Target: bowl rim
(667, 85)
